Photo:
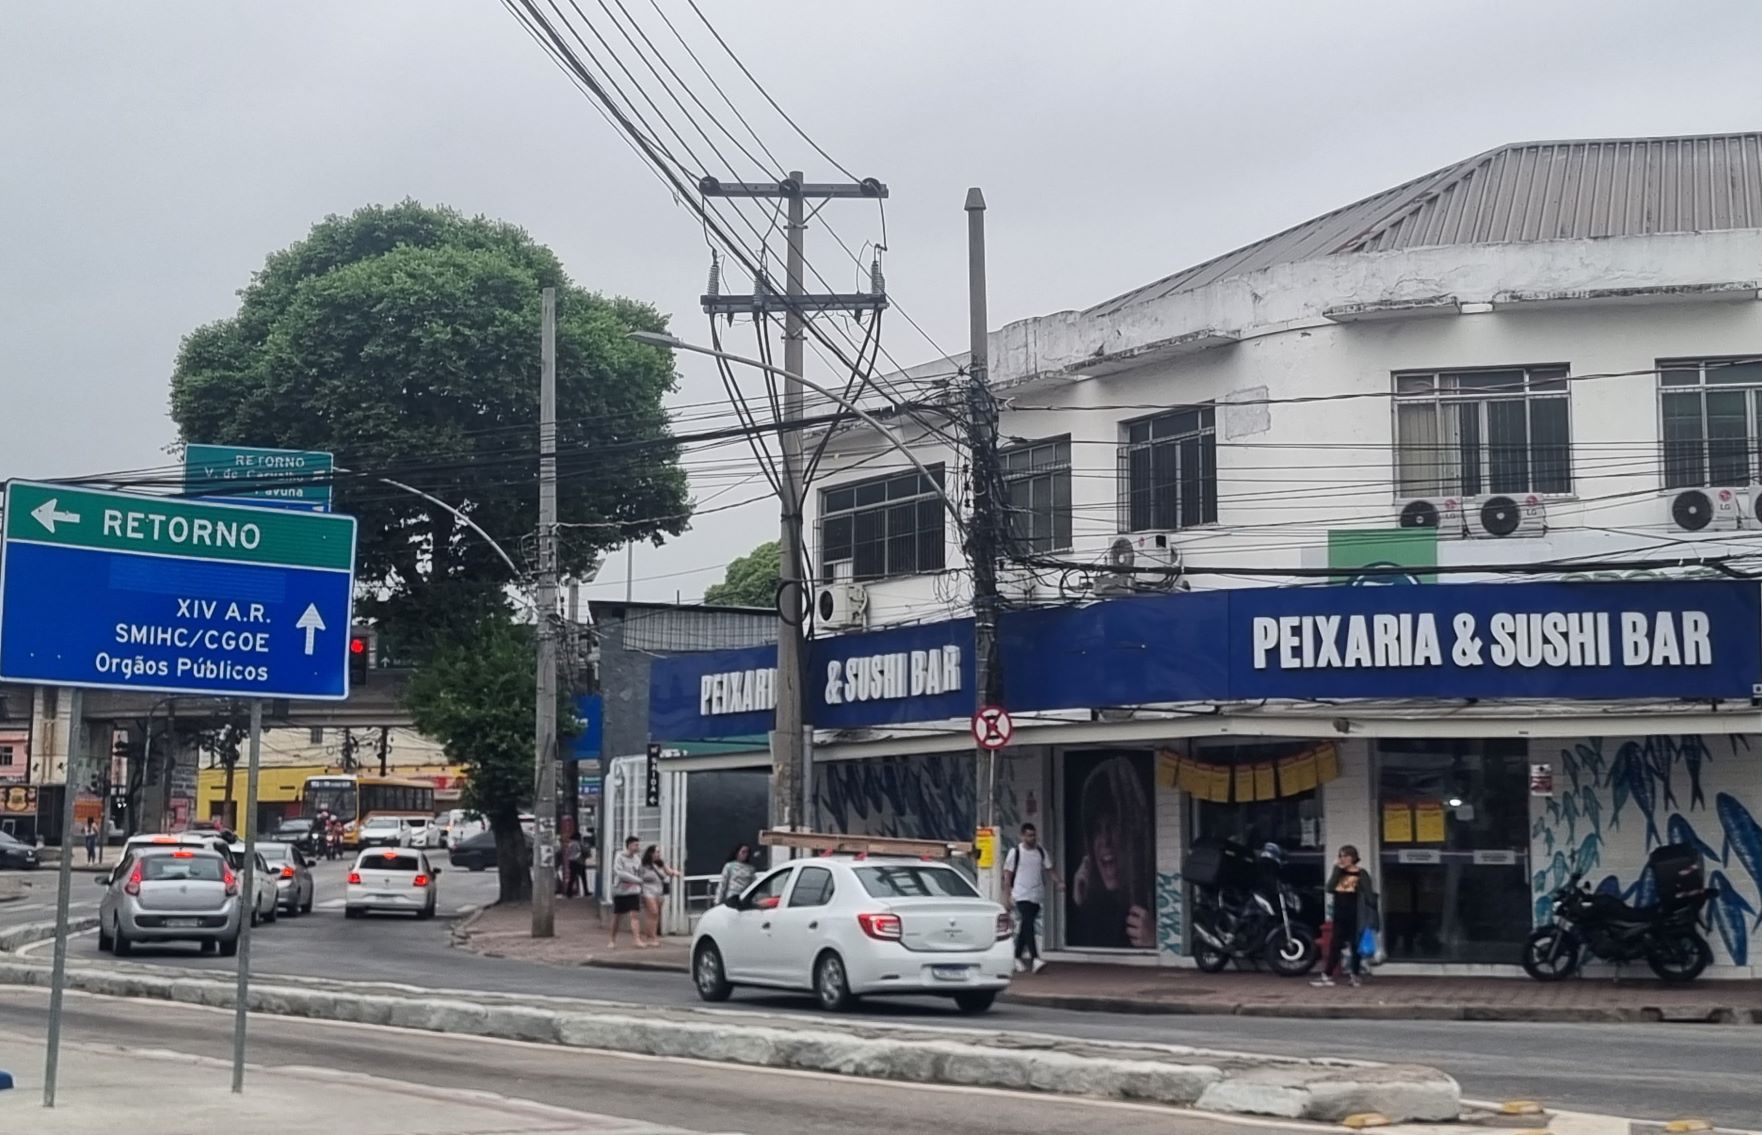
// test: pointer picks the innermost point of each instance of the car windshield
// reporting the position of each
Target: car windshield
(383, 822)
(295, 826)
(179, 868)
(275, 854)
(391, 862)
(7, 840)
(914, 882)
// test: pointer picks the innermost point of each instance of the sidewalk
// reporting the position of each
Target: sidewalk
(102, 1090)
(505, 932)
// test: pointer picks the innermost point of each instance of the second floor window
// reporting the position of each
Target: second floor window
(1038, 478)
(1709, 415)
(1168, 470)
(1473, 432)
(886, 526)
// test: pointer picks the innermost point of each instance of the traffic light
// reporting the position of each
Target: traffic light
(358, 657)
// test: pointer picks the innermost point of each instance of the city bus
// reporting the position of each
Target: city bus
(353, 799)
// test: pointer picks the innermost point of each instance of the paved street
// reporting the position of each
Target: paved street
(1649, 1071)
(694, 1096)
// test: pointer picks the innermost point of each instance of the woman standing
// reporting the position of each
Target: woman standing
(1354, 900)
(656, 880)
(737, 873)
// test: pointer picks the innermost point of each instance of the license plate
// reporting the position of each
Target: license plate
(181, 923)
(949, 973)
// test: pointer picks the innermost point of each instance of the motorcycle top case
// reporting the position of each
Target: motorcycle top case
(1219, 863)
(1677, 870)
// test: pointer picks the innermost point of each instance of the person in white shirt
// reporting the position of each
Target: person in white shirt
(627, 891)
(1027, 870)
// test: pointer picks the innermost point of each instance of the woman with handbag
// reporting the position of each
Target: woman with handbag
(657, 881)
(1356, 915)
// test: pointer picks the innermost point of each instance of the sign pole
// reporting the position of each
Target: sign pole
(58, 980)
(248, 897)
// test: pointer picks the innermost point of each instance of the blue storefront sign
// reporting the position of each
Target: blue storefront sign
(1562, 641)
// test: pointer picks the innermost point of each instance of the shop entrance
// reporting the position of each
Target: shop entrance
(1292, 821)
(1455, 849)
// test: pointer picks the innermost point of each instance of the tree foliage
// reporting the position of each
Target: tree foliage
(478, 697)
(750, 581)
(405, 339)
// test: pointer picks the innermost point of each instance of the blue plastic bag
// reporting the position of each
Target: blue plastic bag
(1367, 944)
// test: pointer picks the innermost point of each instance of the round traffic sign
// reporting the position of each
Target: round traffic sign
(992, 727)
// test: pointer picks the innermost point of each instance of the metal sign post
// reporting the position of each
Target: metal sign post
(58, 980)
(248, 900)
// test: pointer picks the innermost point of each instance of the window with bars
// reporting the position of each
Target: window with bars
(1037, 477)
(1708, 412)
(881, 527)
(1468, 432)
(1168, 470)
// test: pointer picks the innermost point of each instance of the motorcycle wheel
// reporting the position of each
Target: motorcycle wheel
(1210, 959)
(1551, 954)
(1291, 954)
(1680, 956)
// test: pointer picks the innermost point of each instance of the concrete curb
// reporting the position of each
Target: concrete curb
(17, 937)
(1215, 1081)
(1642, 1014)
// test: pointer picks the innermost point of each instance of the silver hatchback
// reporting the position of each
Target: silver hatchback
(170, 894)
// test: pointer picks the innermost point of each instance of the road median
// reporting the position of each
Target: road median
(1326, 1090)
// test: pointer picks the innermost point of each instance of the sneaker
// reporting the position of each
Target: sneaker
(1356, 981)
(1323, 982)
(1021, 966)
(1039, 964)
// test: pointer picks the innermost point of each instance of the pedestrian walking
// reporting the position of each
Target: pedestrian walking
(1354, 899)
(91, 841)
(737, 873)
(627, 891)
(1027, 870)
(657, 881)
(570, 866)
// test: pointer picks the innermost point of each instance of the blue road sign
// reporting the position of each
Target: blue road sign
(124, 591)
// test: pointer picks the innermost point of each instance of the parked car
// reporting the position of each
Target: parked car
(478, 852)
(421, 831)
(392, 879)
(302, 833)
(292, 872)
(846, 928)
(382, 831)
(16, 854)
(170, 894)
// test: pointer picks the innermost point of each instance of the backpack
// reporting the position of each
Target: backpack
(1012, 859)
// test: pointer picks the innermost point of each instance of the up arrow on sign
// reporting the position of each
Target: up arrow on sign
(311, 622)
(49, 516)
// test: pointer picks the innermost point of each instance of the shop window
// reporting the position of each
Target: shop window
(1468, 432)
(883, 527)
(1454, 820)
(1709, 410)
(6, 758)
(1037, 477)
(1294, 822)
(1109, 849)
(1168, 471)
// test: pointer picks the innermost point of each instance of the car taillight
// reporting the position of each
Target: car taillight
(886, 927)
(419, 880)
(1005, 925)
(287, 872)
(133, 886)
(354, 878)
(231, 880)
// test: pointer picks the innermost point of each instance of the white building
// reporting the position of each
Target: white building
(1573, 327)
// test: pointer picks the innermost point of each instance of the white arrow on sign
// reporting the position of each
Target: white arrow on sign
(311, 622)
(49, 516)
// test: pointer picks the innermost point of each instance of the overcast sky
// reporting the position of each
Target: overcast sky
(151, 154)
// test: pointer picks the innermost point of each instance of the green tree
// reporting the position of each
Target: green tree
(405, 339)
(750, 581)
(477, 696)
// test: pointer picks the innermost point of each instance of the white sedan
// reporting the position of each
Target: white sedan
(395, 878)
(847, 927)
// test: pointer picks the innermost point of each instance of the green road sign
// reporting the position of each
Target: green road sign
(129, 522)
(248, 475)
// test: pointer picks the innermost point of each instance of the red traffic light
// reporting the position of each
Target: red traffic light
(357, 646)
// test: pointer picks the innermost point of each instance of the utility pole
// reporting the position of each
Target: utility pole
(544, 803)
(982, 540)
(791, 780)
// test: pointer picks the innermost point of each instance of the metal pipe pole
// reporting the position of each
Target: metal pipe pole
(544, 805)
(787, 738)
(248, 897)
(58, 976)
(982, 546)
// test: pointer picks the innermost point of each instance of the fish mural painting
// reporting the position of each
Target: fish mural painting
(1621, 798)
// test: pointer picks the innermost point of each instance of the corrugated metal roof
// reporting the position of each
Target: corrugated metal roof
(1524, 192)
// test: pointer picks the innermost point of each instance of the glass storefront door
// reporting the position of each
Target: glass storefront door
(1292, 822)
(1455, 849)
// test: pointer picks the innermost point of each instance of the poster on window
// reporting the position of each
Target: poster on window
(1110, 850)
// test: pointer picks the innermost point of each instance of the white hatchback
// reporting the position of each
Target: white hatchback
(395, 878)
(846, 927)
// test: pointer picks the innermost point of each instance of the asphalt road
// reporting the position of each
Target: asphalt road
(695, 1096)
(1644, 1071)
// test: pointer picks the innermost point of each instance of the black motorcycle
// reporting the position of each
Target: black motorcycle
(1243, 911)
(1593, 925)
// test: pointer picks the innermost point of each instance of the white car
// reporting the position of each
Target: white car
(267, 907)
(846, 927)
(461, 825)
(395, 878)
(421, 831)
(383, 831)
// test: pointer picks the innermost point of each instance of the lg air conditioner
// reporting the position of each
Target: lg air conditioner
(1497, 517)
(1708, 510)
(1443, 513)
(841, 606)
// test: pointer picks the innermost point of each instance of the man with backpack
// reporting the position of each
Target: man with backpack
(1027, 870)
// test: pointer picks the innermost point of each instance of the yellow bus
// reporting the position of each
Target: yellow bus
(355, 798)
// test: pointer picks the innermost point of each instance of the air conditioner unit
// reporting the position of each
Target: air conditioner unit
(1115, 578)
(841, 606)
(1443, 513)
(1500, 516)
(1017, 583)
(1706, 510)
(1155, 550)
